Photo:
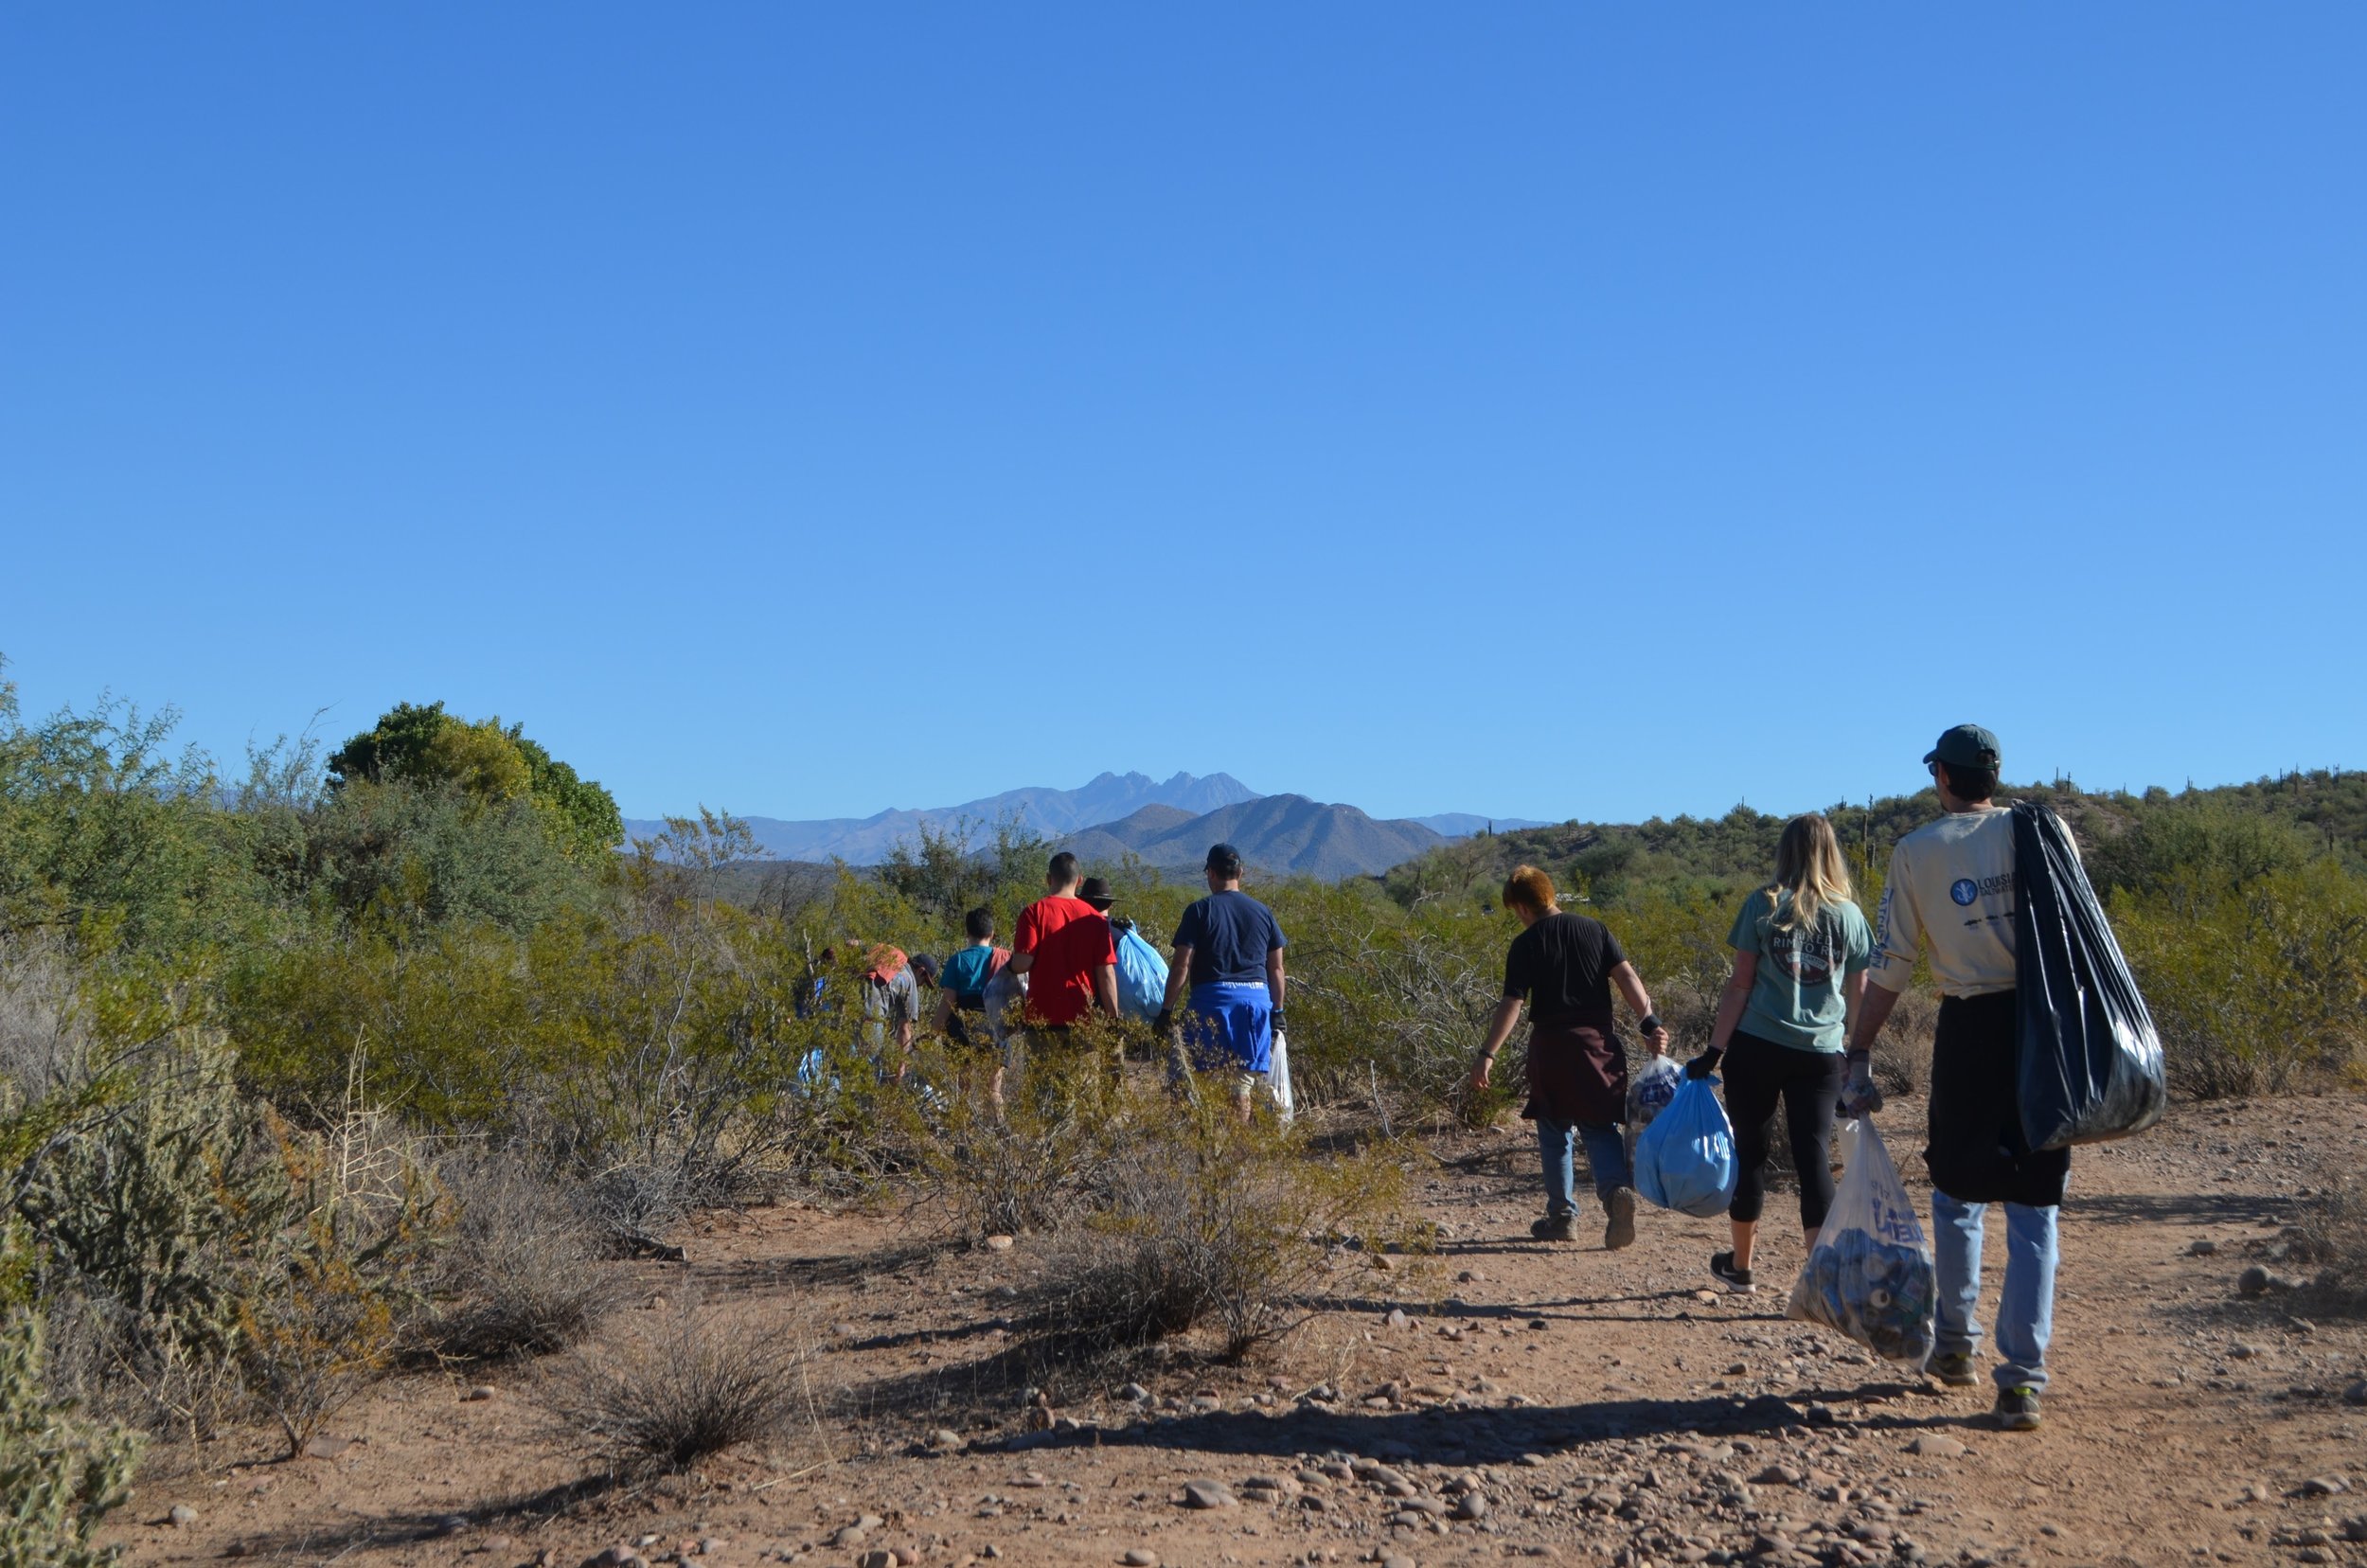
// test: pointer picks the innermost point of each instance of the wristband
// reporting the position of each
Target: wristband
(1651, 1024)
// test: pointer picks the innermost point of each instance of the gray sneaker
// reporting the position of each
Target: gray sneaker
(2018, 1409)
(1954, 1369)
(1555, 1227)
(1619, 1230)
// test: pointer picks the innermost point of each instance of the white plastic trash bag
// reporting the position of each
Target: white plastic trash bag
(1651, 1089)
(1278, 1080)
(1869, 1275)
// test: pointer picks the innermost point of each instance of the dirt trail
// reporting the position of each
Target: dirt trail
(1607, 1407)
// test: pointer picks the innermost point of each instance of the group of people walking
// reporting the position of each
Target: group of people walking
(1220, 1008)
(1811, 988)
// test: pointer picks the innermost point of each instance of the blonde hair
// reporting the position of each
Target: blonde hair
(1810, 867)
(1529, 888)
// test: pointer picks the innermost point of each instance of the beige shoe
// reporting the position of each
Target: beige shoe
(1619, 1231)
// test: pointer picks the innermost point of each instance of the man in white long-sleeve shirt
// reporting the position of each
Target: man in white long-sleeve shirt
(1951, 895)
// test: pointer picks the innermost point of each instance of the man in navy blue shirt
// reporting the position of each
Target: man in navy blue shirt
(1228, 950)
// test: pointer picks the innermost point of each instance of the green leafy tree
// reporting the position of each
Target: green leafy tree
(428, 747)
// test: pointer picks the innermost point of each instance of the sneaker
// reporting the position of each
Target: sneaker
(1722, 1269)
(1555, 1227)
(2018, 1409)
(1954, 1369)
(1619, 1230)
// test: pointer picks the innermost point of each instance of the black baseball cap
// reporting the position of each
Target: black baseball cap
(1965, 746)
(1222, 859)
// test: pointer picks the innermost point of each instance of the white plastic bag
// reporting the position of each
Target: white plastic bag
(1870, 1275)
(1278, 1080)
(1651, 1089)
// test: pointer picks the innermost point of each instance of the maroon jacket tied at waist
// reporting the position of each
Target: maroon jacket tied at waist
(1577, 1071)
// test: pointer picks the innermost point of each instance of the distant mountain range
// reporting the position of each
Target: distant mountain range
(1169, 824)
(1284, 833)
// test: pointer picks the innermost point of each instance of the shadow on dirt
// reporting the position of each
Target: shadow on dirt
(403, 1528)
(1497, 1437)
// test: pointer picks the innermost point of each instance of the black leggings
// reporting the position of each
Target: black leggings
(1758, 1070)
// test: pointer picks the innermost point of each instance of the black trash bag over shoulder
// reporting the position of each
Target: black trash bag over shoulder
(2088, 1064)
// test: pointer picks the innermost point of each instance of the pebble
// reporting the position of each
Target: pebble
(1934, 1445)
(2240, 1351)
(1397, 1318)
(1134, 1394)
(999, 1244)
(1208, 1495)
(180, 1515)
(1137, 1557)
(877, 1559)
(619, 1555)
(945, 1440)
(2203, 1248)
(1471, 1506)
(2321, 1486)
(478, 1394)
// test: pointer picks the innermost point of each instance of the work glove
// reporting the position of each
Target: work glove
(1704, 1065)
(1859, 1095)
(1163, 1024)
(1277, 1022)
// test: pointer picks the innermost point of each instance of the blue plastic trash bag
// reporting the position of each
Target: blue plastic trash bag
(1685, 1160)
(1142, 976)
(1870, 1275)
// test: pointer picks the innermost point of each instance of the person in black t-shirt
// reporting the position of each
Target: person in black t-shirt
(1565, 966)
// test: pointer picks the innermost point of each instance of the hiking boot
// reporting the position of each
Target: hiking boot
(2017, 1409)
(1954, 1369)
(1555, 1227)
(1619, 1229)
(1722, 1269)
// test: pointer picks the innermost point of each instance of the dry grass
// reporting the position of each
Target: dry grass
(521, 1272)
(689, 1386)
(1198, 1219)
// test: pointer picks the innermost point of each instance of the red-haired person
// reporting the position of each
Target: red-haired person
(1564, 966)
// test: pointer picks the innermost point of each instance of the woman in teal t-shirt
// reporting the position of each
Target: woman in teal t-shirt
(1800, 955)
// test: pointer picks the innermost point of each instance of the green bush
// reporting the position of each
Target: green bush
(2253, 987)
(59, 1474)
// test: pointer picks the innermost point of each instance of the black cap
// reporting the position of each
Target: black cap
(1965, 746)
(1223, 860)
(1094, 891)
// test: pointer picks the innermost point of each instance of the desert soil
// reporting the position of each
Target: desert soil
(1606, 1406)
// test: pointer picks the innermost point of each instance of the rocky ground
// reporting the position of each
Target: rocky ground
(1508, 1400)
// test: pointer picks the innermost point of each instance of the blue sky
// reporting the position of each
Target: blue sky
(1539, 410)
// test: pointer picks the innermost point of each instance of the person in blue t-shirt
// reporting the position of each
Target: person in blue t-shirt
(1228, 952)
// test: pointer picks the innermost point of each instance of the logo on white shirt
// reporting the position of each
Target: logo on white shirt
(1964, 890)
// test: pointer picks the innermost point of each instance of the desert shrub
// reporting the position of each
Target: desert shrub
(59, 1474)
(665, 1398)
(1200, 1218)
(322, 1319)
(1387, 1007)
(2253, 989)
(1902, 1052)
(2329, 1232)
(518, 1271)
(1028, 1165)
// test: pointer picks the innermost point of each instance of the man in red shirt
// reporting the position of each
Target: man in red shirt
(1064, 947)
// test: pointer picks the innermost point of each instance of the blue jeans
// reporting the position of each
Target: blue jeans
(1606, 1154)
(2025, 1316)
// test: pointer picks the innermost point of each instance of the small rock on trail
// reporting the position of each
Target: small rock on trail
(1208, 1495)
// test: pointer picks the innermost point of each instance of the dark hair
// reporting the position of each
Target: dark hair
(1062, 870)
(979, 923)
(1969, 783)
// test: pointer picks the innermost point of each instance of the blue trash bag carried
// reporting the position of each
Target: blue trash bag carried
(1685, 1160)
(1141, 975)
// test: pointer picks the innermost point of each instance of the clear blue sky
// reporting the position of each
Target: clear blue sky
(1543, 410)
